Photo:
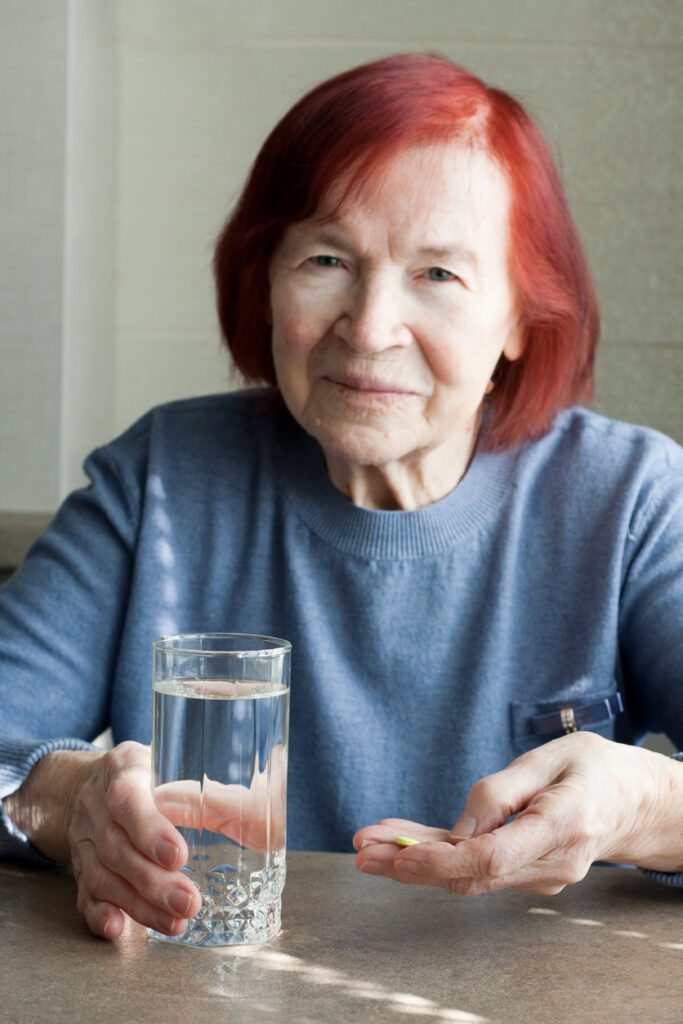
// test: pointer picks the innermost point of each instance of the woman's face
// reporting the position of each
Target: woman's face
(389, 321)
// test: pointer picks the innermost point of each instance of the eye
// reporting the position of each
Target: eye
(439, 274)
(326, 261)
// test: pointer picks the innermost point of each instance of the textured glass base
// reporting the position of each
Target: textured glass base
(233, 914)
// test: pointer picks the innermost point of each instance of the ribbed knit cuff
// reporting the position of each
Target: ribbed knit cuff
(17, 758)
(665, 877)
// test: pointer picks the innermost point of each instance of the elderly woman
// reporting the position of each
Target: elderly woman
(483, 583)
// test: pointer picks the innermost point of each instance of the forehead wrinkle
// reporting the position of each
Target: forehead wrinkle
(336, 233)
(450, 251)
(342, 224)
(335, 237)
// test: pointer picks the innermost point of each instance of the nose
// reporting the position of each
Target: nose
(373, 317)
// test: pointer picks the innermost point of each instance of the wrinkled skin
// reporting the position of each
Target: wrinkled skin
(576, 800)
(126, 854)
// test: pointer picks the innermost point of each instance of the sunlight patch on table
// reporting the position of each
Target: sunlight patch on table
(406, 1003)
(407, 999)
(365, 993)
(461, 1015)
(587, 922)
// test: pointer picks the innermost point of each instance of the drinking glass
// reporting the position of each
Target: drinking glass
(219, 753)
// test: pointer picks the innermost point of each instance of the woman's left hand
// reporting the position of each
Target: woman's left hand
(577, 799)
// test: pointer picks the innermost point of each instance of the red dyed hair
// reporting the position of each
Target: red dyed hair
(348, 128)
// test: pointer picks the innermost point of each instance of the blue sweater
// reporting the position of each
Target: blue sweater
(430, 648)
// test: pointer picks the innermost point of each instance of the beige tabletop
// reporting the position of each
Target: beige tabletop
(357, 948)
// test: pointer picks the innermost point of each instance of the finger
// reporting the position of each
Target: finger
(378, 859)
(385, 831)
(98, 884)
(103, 919)
(440, 863)
(129, 802)
(493, 799)
(547, 825)
(252, 817)
(172, 892)
(545, 877)
(107, 921)
(541, 878)
(488, 857)
(523, 853)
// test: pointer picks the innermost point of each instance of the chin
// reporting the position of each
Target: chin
(364, 446)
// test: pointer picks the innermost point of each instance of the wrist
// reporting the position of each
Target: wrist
(42, 807)
(655, 839)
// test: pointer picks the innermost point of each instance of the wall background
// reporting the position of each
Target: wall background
(129, 125)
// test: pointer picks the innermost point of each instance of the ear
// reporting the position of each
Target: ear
(516, 343)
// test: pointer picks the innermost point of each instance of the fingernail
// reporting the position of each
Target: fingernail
(167, 853)
(179, 901)
(368, 842)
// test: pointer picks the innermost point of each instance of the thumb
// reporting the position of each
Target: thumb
(493, 799)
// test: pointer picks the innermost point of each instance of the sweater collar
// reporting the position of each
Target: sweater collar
(470, 508)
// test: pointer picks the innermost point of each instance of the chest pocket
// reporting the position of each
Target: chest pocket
(534, 723)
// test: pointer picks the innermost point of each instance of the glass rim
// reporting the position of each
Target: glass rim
(166, 643)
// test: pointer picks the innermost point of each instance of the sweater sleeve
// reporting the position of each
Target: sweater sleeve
(651, 622)
(61, 616)
(651, 612)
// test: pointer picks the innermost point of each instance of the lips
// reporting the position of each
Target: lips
(370, 384)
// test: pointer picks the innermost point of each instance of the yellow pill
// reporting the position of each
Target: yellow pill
(406, 841)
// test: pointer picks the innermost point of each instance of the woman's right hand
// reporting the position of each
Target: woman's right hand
(126, 855)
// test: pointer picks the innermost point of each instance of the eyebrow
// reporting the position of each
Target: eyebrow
(445, 250)
(449, 250)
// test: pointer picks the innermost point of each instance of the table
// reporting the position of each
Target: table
(356, 947)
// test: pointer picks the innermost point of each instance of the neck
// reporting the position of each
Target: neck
(405, 484)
